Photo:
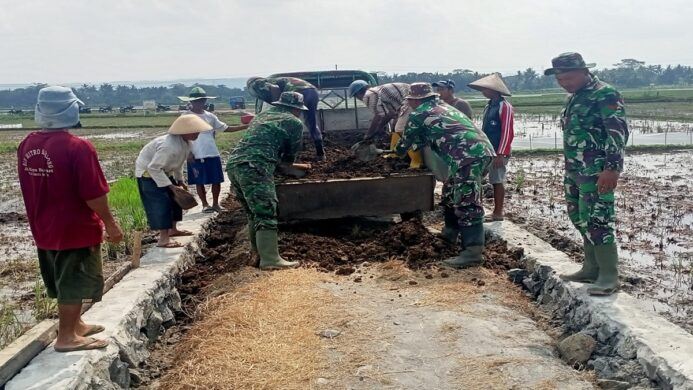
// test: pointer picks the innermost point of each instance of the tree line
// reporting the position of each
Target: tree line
(628, 73)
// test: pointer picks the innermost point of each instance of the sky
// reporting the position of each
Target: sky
(95, 41)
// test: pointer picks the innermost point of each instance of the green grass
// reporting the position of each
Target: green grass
(125, 203)
(43, 306)
(657, 104)
(10, 326)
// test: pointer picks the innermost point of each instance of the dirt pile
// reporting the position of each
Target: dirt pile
(338, 248)
(341, 164)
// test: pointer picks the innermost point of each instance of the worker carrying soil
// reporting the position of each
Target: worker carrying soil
(387, 103)
(269, 89)
(273, 140)
(459, 155)
(159, 168)
(595, 134)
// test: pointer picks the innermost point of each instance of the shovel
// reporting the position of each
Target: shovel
(364, 151)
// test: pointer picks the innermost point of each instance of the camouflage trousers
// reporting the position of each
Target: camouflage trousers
(254, 189)
(463, 191)
(592, 213)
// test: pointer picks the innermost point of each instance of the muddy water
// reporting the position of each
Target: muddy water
(535, 131)
(654, 228)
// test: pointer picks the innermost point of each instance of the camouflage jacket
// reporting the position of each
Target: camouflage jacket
(595, 131)
(449, 132)
(274, 136)
(261, 87)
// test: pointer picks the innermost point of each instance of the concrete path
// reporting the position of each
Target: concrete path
(429, 332)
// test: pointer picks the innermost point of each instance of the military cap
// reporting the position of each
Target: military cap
(291, 100)
(566, 62)
(419, 91)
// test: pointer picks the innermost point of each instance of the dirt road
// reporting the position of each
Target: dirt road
(385, 326)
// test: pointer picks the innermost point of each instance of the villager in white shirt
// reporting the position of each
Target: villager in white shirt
(159, 167)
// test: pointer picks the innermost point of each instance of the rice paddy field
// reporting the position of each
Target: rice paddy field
(655, 213)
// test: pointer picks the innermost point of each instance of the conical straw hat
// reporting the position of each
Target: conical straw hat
(188, 124)
(493, 82)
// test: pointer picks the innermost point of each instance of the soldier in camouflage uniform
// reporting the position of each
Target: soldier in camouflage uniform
(268, 90)
(595, 134)
(273, 139)
(459, 155)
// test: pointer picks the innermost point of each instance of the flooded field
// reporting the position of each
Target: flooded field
(654, 228)
(655, 212)
(542, 131)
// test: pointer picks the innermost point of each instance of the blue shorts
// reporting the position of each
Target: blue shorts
(205, 171)
(158, 204)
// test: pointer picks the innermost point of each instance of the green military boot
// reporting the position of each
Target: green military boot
(268, 249)
(451, 230)
(473, 244)
(590, 269)
(607, 259)
(251, 235)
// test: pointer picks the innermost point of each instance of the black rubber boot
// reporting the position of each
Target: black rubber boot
(451, 230)
(319, 150)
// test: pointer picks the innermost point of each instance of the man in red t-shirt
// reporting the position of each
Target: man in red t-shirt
(65, 195)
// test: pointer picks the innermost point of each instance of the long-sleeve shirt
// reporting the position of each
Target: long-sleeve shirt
(450, 134)
(595, 131)
(261, 87)
(498, 125)
(386, 99)
(274, 136)
(162, 157)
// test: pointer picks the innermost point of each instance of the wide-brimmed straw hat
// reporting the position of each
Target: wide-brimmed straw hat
(493, 82)
(188, 124)
(196, 93)
(291, 100)
(418, 91)
(566, 62)
(57, 108)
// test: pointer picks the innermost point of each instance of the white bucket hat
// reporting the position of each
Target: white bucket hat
(57, 108)
(188, 124)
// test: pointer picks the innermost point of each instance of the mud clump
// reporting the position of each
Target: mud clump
(219, 254)
(12, 217)
(499, 257)
(330, 250)
(341, 164)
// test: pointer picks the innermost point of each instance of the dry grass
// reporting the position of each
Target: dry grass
(488, 370)
(19, 269)
(262, 335)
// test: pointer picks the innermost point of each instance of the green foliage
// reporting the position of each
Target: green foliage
(125, 203)
(520, 177)
(10, 326)
(44, 307)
